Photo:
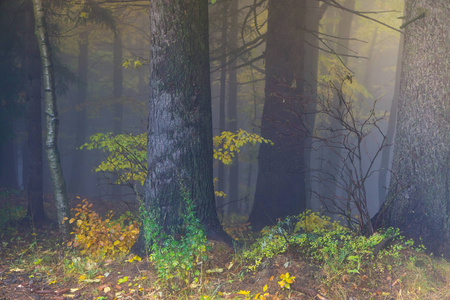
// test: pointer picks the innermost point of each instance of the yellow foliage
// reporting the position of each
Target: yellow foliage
(228, 143)
(311, 221)
(101, 238)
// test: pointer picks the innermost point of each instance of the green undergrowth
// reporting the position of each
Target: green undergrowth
(345, 256)
(10, 213)
(178, 256)
(385, 265)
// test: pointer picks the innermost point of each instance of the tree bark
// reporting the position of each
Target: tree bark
(179, 149)
(280, 188)
(35, 206)
(51, 117)
(418, 198)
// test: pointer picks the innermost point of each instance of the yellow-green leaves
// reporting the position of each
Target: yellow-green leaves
(128, 62)
(286, 280)
(228, 143)
(126, 155)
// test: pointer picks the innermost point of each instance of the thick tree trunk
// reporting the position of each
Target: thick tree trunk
(280, 188)
(179, 150)
(35, 207)
(51, 117)
(76, 178)
(418, 199)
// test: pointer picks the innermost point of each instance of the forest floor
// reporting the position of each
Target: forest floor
(34, 264)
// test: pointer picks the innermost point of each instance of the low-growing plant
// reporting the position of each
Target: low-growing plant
(178, 260)
(331, 245)
(99, 237)
(11, 213)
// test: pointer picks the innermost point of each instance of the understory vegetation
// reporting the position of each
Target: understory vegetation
(301, 257)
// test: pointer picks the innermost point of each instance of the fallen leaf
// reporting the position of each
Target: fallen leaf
(16, 270)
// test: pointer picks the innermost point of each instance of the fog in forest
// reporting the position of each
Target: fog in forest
(102, 73)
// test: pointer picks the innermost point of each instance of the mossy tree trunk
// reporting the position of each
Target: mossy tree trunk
(418, 198)
(179, 150)
(51, 118)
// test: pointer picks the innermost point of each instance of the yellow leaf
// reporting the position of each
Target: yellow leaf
(71, 220)
(79, 222)
(265, 288)
(241, 292)
(137, 258)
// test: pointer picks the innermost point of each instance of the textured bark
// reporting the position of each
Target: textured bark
(418, 199)
(51, 118)
(76, 178)
(233, 195)
(179, 150)
(35, 206)
(280, 188)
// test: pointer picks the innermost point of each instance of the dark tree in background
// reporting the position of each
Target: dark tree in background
(418, 200)
(179, 150)
(11, 84)
(280, 188)
(35, 208)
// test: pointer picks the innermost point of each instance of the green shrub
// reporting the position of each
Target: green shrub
(328, 244)
(178, 260)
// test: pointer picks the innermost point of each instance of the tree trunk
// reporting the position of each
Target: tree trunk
(179, 149)
(233, 196)
(35, 206)
(280, 188)
(51, 117)
(418, 199)
(77, 181)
